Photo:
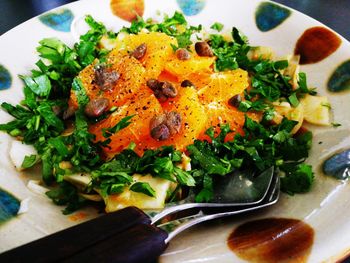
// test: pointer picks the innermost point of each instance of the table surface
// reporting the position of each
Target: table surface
(334, 13)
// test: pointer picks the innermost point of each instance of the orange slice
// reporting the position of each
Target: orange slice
(183, 68)
(158, 50)
(193, 120)
(131, 77)
(144, 106)
(220, 113)
(224, 85)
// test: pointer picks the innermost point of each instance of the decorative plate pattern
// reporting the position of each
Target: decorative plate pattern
(9, 206)
(127, 9)
(340, 79)
(269, 15)
(191, 7)
(5, 78)
(338, 165)
(59, 20)
(315, 44)
(325, 208)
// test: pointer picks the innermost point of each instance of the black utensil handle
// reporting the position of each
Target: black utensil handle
(138, 244)
(70, 241)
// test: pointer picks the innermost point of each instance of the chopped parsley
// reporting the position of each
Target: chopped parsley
(145, 188)
(261, 147)
(335, 124)
(217, 26)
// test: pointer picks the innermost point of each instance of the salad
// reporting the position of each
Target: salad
(144, 115)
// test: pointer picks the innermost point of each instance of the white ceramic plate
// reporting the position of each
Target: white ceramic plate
(326, 208)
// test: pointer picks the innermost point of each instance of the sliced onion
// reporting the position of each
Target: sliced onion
(24, 207)
(18, 151)
(34, 186)
(92, 197)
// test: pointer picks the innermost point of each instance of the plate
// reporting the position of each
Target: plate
(326, 208)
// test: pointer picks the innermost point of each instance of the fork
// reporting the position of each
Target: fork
(129, 235)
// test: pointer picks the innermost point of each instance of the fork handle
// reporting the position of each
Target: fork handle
(123, 236)
(140, 243)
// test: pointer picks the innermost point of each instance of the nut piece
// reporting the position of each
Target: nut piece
(203, 49)
(183, 54)
(186, 83)
(173, 121)
(168, 89)
(162, 90)
(157, 120)
(235, 100)
(153, 84)
(160, 96)
(96, 107)
(160, 132)
(164, 125)
(140, 51)
(105, 78)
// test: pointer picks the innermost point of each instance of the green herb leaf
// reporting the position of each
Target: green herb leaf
(175, 26)
(116, 188)
(29, 161)
(123, 123)
(298, 180)
(52, 49)
(217, 26)
(59, 145)
(40, 85)
(67, 194)
(45, 110)
(142, 187)
(184, 177)
(207, 192)
(293, 99)
(335, 124)
(238, 37)
(80, 92)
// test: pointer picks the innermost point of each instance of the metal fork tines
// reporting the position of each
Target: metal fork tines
(175, 221)
(241, 189)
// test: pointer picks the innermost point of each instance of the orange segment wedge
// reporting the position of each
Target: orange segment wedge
(220, 113)
(224, 85)
(158, 50)
(144, 106)
(193, 120)
(183, 68)
(131, 77)
(192, 113)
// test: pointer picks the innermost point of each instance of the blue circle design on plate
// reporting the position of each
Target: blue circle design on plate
(5, 78)
(9, 206)
(338, 165)
(340, 79)
(191, 7)
(268, 16)
(59, 20)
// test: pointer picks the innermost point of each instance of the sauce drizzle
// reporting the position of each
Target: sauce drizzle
(272, 240)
